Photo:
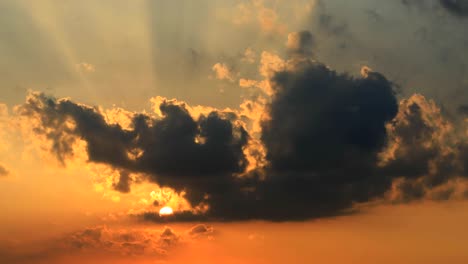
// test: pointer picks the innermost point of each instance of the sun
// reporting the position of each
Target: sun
(165, 211)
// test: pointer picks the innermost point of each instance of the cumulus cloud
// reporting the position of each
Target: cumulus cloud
(312, 143)
(176, 150)
(323, 136)
(426, 152)
(223, 72)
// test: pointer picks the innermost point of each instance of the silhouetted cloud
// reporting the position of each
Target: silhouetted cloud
(170, 153)
(323, 138)
(123, 185)
(331, 140)
(426, 152)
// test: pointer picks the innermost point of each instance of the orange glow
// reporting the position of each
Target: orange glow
(165, 211)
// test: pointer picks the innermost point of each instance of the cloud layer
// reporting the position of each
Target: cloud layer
(103, 243)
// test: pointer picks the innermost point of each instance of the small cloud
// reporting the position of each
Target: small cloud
(223, 72)
(123, 185)
(85, 67)
(201, 230)
(249, 56)
(3, 171)
(247, 83)
(365, 70)
(3, 110)
(255, 236)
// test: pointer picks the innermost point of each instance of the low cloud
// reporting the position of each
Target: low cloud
(103, 242)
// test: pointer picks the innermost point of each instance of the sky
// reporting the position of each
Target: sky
(300, 131)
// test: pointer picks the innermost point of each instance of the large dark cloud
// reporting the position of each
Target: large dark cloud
(323, 139)
(171, 155)
(331, 140)
(321, 119)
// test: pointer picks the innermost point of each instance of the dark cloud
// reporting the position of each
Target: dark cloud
(201, 230)
(181, 216)
(463, 109)
(3, 171)
(456, 7)
(323, 138)
(414, 154)
(320, 119)
(123, 185)
(409, 190)
(171, 155)
(331, 141)
(322, 141)
(427, 151)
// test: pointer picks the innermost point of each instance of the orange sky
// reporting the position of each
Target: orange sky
(66, 66)
(417, 233)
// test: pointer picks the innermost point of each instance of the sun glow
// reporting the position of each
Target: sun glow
(165, 211)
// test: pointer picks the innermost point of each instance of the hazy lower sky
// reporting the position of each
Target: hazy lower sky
(300, 131)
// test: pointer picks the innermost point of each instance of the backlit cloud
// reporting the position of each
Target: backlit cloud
(223, 72)
(312, 143)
